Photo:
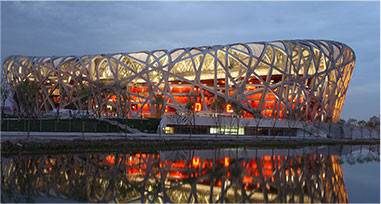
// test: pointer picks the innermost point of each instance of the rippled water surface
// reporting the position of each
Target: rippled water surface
(309, 174)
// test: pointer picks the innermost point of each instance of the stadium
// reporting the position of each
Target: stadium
(292, 79)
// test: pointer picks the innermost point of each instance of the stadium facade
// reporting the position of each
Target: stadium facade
(292, 79)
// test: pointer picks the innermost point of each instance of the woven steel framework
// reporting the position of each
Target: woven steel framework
(302, 79)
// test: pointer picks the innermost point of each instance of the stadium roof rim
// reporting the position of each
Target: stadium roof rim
(187, 48)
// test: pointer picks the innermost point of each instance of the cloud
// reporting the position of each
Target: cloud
(78, 28)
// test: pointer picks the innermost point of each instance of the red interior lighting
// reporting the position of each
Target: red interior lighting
(197, 107)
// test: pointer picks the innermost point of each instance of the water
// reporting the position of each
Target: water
(306, 174)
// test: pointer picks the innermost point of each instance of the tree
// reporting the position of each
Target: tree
(158, 103)
(63, 98)
(317, 124)
(190, 111)
(341, 121)
(84, 94)
(258, 118)
(159, 108)
(341, 124)
(330, 124)
(189, 106)
(218, 108)
(362, 125)
(26, 97)
(100, 92)
(374, 125)
(352, 122)
(238, 111)
(4, 95)
(125, 106)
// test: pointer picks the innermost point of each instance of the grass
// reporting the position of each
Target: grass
(75, 125)
(52, 125)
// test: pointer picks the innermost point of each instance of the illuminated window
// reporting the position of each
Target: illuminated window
(229, 108)
(133, 107)
(227, 130)
(197, 107)
(227, 161)
(109, 108)
(56, 92)
(169, 130)
(196, 162)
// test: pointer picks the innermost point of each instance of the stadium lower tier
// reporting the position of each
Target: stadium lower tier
(201, 101)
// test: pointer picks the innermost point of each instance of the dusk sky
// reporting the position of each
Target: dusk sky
(79, 28)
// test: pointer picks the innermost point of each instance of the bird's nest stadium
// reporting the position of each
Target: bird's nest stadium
(298, 79)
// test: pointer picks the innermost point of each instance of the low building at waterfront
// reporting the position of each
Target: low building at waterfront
(237, 126)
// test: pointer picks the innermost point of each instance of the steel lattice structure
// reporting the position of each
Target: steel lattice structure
(302, 79)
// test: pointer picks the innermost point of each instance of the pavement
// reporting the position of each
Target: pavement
(67, 136)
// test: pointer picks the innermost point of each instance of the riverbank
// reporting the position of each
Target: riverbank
(43, 142)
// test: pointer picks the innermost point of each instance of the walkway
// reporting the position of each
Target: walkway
(67, 136)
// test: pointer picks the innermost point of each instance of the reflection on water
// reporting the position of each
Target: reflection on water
(310, 174)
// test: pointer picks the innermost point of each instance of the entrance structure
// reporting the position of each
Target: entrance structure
(292, 79)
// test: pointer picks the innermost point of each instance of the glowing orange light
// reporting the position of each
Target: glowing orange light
(229, 108)
(267, 186)
(196, 162)
(197, 107)
(111, 159)
(227, 162)
(178, 164)
(247, 179)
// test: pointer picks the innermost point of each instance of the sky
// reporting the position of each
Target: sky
(78, 28)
